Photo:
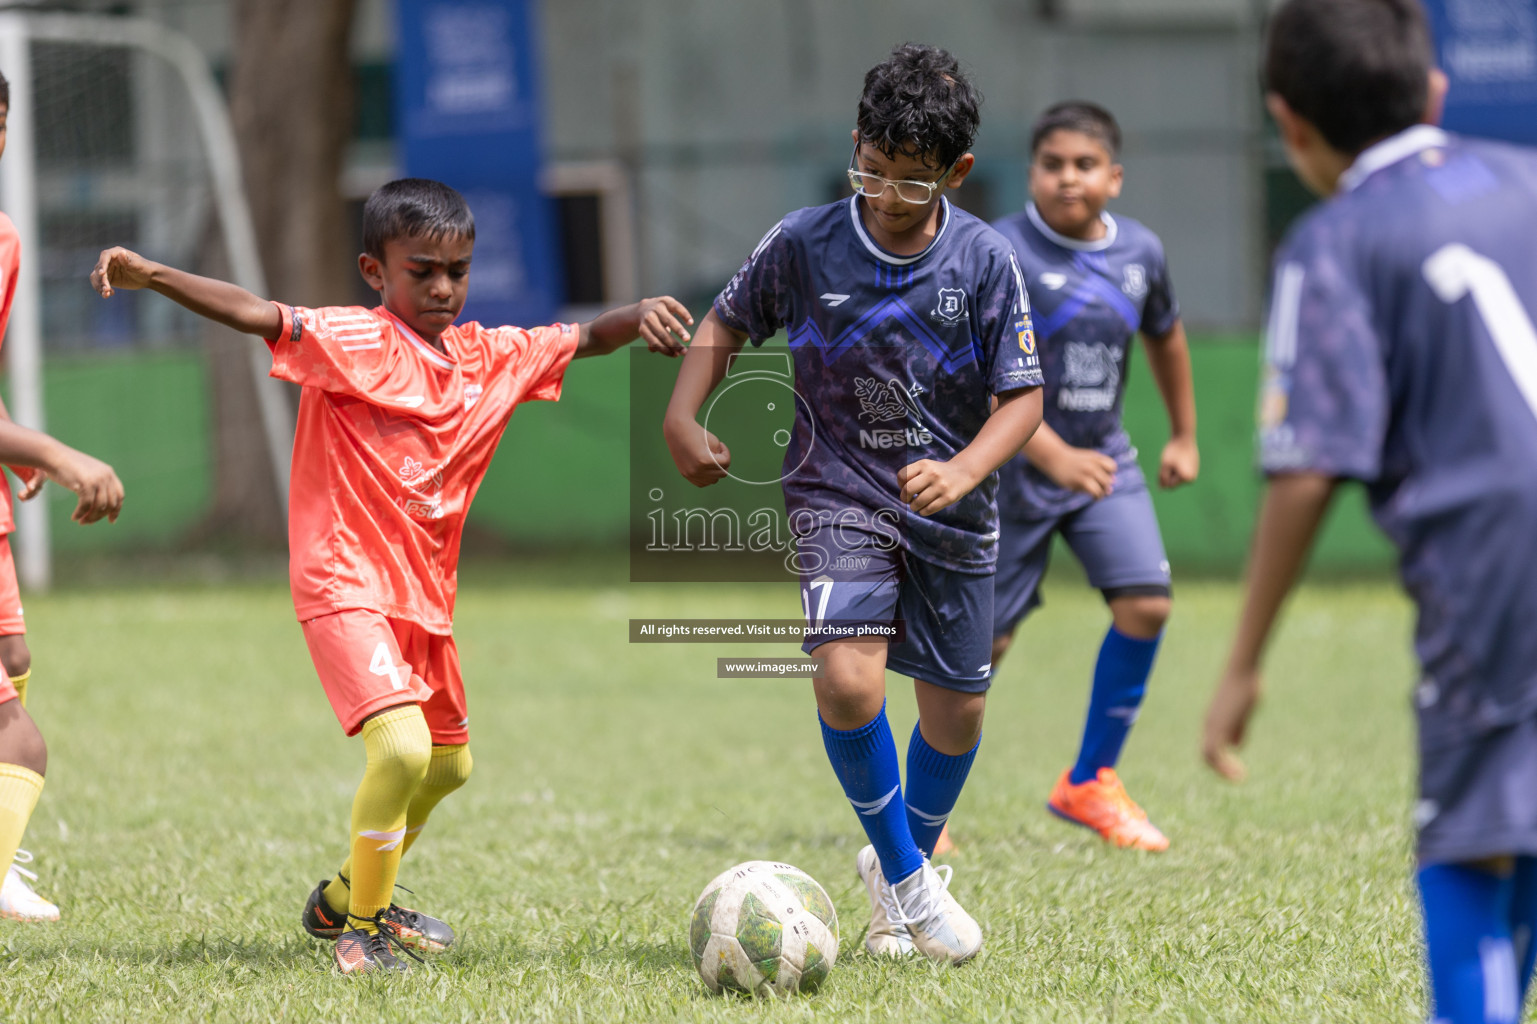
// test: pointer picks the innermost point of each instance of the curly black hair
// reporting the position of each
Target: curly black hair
(918, 103)
(414, 208)
(1082, 117)
(1357, 69)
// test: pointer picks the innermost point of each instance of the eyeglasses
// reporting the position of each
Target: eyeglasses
(873, 186)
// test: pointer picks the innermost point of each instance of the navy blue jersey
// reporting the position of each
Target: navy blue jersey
(1401, 352)
(1091, 299)
(895, 358)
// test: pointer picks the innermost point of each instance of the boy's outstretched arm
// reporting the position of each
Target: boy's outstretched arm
(219, 301)
(1293, 506)
(930, 485)
(99, 490)
(699, 455)
(660, 321)
(1169, 359)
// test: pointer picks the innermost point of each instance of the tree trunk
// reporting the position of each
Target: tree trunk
(292, 106)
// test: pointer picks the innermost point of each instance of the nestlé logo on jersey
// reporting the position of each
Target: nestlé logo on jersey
(418, 478)
(951, 307)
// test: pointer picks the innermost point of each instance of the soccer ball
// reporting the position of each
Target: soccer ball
(765, 928)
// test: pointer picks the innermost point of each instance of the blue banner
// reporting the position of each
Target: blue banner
(467, 102)
(1488, 49)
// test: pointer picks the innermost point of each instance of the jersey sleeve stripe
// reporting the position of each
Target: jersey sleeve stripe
(763, 243)
(1281, 332)
(1019, 280)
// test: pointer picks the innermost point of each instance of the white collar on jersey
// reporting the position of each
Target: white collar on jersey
(1080, 244)
(415, 339)
(1389, 152)
(882, 254)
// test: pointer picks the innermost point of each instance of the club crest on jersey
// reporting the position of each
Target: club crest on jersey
(951, 308)
(1053, 280)
(1134, 281)
(472, 393)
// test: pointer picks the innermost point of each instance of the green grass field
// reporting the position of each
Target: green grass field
(199, 786)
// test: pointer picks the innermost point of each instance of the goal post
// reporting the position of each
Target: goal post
(20, 32)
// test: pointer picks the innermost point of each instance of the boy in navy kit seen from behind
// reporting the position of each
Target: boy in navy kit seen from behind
(1096, 281)
(1401, 351)
(905, 318)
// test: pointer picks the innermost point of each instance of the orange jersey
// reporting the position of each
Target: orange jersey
(10, 267)
(392, 442)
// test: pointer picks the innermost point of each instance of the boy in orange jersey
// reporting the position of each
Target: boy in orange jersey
(400, 413)
(22, 752)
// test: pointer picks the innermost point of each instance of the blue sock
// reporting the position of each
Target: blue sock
(1523, 921)
(934, 782)
(1120, 680)
(1467, 942)
(865, 761)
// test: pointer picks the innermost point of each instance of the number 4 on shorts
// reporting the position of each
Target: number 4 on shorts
(383, 664)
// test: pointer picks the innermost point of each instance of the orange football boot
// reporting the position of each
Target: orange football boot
(944, 844)
(1101, 804)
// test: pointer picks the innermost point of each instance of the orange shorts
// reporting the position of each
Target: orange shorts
(11, 622)
(367, 663)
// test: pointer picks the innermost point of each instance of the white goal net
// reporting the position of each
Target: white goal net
(118, 136)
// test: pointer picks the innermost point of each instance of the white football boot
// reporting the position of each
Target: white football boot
(888, 936)
(940, 929)
(17, 900)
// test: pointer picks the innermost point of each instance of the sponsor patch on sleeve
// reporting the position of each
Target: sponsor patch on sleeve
(1026, 336)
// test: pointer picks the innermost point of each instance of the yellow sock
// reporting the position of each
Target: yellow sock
(19, 789)
(20, 682)
(399, 748)
(450, 767)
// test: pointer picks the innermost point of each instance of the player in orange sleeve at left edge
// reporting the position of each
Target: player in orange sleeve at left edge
(400, 411)
(33, 457)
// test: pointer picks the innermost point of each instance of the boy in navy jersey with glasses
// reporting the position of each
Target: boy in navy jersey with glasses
(915, 362)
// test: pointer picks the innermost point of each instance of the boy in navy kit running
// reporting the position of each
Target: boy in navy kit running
(1096, 281)
(905, 318)
(1401, 352)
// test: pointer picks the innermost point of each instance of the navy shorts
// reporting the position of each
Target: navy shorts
(1478, 794)
(945, 616)
(1115, 538)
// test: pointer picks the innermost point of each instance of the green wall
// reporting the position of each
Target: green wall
(147, 415)
(1207, 525)
(561, 478)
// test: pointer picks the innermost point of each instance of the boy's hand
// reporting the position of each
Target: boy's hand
(99, 489)
(929, 486)
(32, 481)
(1082, 469)
(1227, 719)
(700, 456)
(121, 268)
(661, 324)
(1181, 462)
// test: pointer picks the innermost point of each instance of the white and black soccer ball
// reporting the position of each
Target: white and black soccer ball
(764, 928)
